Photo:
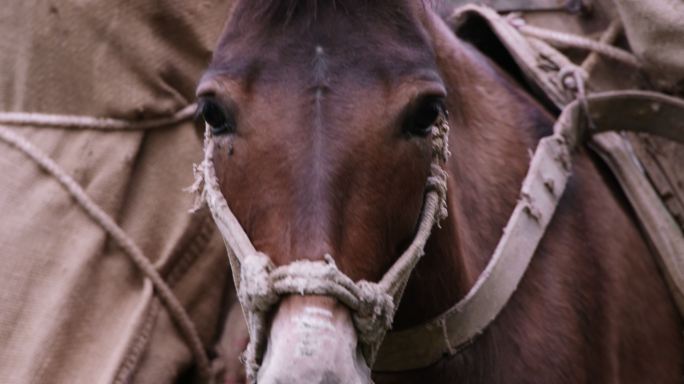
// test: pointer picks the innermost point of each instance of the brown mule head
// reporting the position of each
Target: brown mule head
(321, 112)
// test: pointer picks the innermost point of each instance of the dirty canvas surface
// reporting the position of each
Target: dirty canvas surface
(73, 308)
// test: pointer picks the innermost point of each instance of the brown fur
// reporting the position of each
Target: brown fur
(319, 164)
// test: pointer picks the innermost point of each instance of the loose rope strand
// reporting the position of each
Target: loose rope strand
(94, 123)
(567, 40)
(607, 38)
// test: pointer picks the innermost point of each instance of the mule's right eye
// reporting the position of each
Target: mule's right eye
(424, 116)
(217, 117)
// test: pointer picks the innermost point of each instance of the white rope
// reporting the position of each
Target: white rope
(125, 242)
(608, 37)
(93, 123)
(567, 40)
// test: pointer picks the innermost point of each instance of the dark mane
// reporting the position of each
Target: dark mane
(283, 12)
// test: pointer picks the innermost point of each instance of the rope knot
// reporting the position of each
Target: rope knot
(440, 154)
(256, 292)
(438, 182)
(440, 139)
(375, 313)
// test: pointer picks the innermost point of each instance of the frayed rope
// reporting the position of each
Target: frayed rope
(197, 188)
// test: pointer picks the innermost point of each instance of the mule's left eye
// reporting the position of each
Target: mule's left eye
(216, 116)
(424, 116)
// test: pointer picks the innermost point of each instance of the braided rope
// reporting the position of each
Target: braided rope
(123, 240)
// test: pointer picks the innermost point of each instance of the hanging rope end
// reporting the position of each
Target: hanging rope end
(197, 188)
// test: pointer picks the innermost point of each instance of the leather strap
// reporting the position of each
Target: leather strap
(634, 111)
(663, 231)
(539, 63)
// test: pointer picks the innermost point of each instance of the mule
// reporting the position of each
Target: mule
(321, 113)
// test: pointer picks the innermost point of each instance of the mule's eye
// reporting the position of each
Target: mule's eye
(424, 116)
(217, 117)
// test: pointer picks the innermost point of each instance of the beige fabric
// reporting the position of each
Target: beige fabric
(73, 308)
(655, 29)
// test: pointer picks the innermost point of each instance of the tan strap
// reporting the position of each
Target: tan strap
(646, 112)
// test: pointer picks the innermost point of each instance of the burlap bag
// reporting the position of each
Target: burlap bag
(655, 29)
(73, 308)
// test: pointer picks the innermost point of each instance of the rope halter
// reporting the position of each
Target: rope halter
(260, 284)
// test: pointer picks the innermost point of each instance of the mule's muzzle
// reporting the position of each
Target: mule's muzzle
(262, 285)
(312, 340)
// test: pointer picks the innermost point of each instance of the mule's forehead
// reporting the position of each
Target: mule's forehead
(319, 106)
(335, 44)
